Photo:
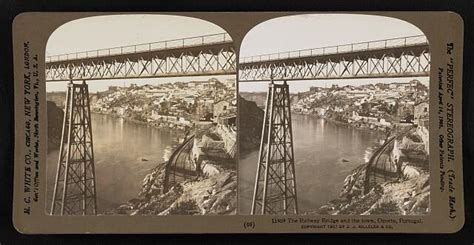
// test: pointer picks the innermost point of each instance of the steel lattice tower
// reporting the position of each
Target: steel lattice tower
(75, 190)
(275, 182)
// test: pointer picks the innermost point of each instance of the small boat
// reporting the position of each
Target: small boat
(144, 160)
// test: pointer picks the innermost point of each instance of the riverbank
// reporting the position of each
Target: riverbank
(362, 126)
(365, 129)
(407, 194)
(213, 194)
(211, 191)
(177, 129)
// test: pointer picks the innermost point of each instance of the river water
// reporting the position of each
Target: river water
(125, 151)
(325, 153)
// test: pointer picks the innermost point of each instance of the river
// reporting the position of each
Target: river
(325, 153)
(125, 151)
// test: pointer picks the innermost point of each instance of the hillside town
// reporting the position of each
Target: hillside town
(174, 105)
(376, 106)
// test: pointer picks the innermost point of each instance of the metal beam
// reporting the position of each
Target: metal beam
(399, 57)
(195, 56)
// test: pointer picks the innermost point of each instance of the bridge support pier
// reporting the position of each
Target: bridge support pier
(75, 189)
(275, 182)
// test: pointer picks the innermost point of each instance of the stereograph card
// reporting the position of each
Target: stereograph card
(258, 122)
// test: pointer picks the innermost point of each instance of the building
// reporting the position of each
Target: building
(357, 94)
(391, 101)
(205, 109)
(421, 113)
(221, 108)
(202, 84)
(189, 99)
(405, 110)
(119, 110)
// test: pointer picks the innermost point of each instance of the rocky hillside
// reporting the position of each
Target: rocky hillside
(251, 121)
(213, 193)
(55, 124)
(407, 195)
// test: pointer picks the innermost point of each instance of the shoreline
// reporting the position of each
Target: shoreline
(364, 129)
(176, 129)
(378, 133)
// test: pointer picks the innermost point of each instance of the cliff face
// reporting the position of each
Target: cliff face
(55, 124)
(250, 122)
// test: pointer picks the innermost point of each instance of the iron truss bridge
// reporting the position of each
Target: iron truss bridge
(398, 57)
(193, 56)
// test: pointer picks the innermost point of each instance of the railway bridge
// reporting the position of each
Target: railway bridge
(275, 185)
(275, 189)
(75, 188)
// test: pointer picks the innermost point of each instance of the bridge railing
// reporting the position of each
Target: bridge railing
(144, 47)
(339, 49)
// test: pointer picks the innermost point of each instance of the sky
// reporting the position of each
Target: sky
(122, 30)
(321, 30)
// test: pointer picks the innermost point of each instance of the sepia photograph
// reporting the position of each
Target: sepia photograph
(141, 113)
(238, 122)
(334, 117)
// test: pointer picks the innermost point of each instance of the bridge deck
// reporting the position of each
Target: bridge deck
(410, 42)
(194, 56)
(148, 54)
(189, 44)
(398, 57)
(335, 57)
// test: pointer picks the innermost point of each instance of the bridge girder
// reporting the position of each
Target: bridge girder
(407, 61)
(216, 59)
